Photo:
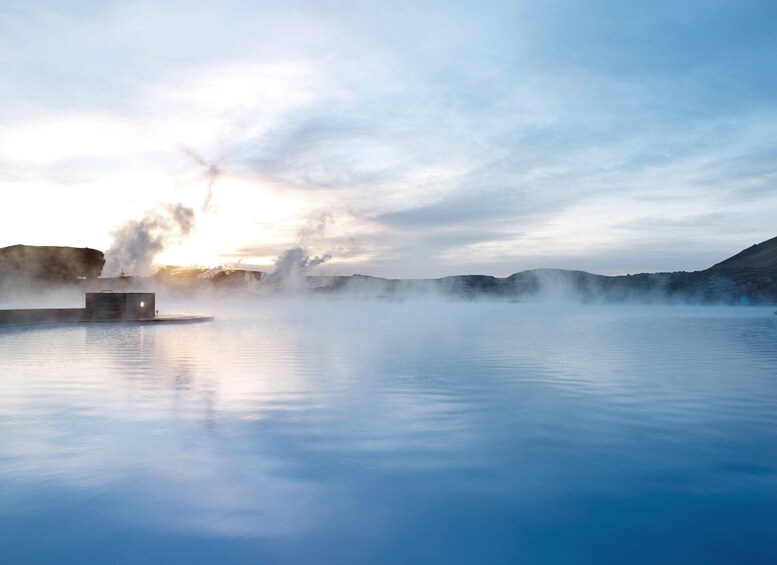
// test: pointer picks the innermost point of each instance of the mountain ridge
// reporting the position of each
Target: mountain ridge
(749, 276)
(761, 256)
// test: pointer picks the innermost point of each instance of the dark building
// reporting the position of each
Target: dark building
(120, 305)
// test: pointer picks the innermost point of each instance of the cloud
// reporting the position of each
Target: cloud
(444, 213)
(490, 135)
(321, 152)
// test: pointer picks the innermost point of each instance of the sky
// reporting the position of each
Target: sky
(406, 139)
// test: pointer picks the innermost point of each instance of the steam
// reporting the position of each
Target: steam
(138, 242)
(293, 263)
(212, 172)
(290, 267)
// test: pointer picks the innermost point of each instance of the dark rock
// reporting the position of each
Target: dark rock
(49, 264)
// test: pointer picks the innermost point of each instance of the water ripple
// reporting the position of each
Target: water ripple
(302, 429)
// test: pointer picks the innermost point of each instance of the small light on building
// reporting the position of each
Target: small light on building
(142, 304)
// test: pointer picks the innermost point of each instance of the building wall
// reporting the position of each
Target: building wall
(120, 305)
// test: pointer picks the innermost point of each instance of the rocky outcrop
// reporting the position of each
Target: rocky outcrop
(49, 264)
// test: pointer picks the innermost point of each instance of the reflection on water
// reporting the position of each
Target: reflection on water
(394, 433)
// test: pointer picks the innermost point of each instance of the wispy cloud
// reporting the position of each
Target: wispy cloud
(497, 135)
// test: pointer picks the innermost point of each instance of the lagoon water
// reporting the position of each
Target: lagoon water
(375, 432)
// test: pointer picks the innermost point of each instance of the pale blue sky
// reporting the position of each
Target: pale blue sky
(436, 137)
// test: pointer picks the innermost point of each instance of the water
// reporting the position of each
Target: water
(376, 432)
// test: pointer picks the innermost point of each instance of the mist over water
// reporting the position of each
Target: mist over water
(315, 430)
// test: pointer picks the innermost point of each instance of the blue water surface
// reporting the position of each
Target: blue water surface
(316, 431)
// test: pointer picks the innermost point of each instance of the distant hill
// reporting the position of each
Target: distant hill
(49, 264)
(762, 257)
(749, 276)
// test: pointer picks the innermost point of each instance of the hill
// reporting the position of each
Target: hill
(761, 257)
(749, 276)
(49, 264)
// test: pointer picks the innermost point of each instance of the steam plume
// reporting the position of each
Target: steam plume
(136, 243)
(212, 171)
(290, 267)
(292, 264)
